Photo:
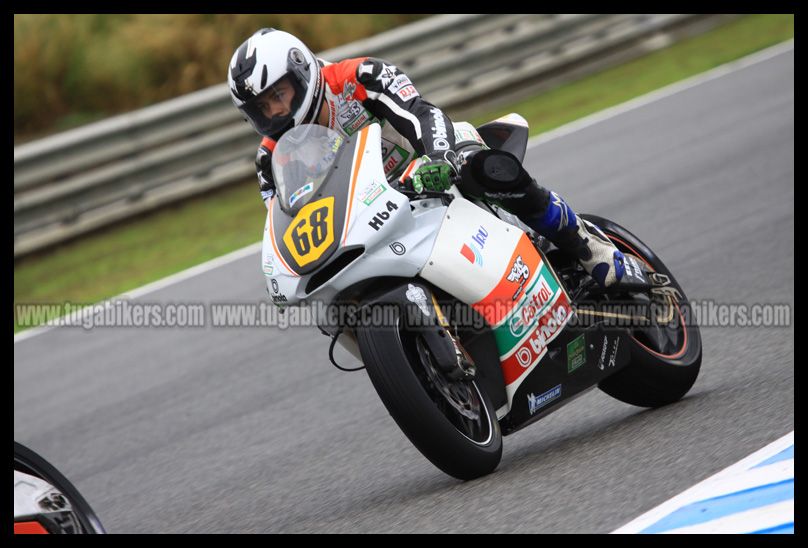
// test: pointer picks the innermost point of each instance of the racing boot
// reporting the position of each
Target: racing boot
(596, 253)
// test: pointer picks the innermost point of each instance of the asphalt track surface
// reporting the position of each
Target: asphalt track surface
(252, 430)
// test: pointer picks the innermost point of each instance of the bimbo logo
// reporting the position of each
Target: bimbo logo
(439, 140)
(549, 326)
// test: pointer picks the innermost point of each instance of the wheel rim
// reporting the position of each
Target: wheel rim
(459, 401)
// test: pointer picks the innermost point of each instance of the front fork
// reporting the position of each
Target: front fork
(425, 317)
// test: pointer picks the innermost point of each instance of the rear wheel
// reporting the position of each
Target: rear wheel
(452, 423)
(665, 356)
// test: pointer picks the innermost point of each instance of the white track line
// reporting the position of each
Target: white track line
(717, 483)
(577, 125)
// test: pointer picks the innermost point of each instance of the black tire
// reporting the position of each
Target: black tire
(391, 357)
(29, 462)
(653, 379)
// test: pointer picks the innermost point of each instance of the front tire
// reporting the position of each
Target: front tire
(660, 373)
(453, 424)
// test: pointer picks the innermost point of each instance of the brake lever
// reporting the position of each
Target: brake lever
(445, 197)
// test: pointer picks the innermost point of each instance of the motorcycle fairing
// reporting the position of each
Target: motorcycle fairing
(304, 250)
(493, 266)
(396, 238)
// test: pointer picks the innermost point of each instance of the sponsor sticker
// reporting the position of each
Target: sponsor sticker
(332, 109)
(520, 273)
(348, 91)
(481, 236)
(371, 192)
(407, 93)
(300, 192)
(398, 248)
(576, 353)
(357, 123)
(462, 134)
(269, 265)
(537, 402)
(417, 296)
(636, 267)
(379, 219)
(613, 355)
(472, 254)
(401, 81)
(533, 348)
(393, 157)
(471, 251)
(439, 141)
(549, 326)
(348, 113)
(602, 360)
(387, 75)
(538, 299)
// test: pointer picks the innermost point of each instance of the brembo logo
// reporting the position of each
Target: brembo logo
(439, 140)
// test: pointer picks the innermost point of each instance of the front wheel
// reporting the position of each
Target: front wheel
(452, 423)
(665, 359)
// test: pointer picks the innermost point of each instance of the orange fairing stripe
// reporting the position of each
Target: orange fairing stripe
(409, 170)
(360, 151)
(501, 297)
(29, 528)
(272, 239)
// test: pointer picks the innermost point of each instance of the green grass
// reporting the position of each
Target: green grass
(730, 41)
(155, 245)
(136, 252)
(71, 69)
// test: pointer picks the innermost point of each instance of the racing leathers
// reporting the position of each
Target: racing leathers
(361, 91)
(364, 90)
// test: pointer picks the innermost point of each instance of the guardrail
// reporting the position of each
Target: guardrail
(79, 180)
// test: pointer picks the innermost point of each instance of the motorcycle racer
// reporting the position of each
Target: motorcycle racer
(277, 83)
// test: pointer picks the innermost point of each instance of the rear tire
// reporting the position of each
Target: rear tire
(457, 444)
(653, 378)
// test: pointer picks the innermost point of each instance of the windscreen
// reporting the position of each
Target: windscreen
(301, 161)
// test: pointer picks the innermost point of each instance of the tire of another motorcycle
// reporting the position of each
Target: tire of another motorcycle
(461, 447)
(654, 378)
(29, 462)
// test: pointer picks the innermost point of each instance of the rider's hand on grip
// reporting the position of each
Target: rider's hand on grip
(436, 175)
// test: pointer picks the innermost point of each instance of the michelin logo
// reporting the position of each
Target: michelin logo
(537, 402)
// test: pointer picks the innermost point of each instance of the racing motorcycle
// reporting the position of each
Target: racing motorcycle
(470, 325)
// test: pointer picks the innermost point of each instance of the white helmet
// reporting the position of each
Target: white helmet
(261, 62)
